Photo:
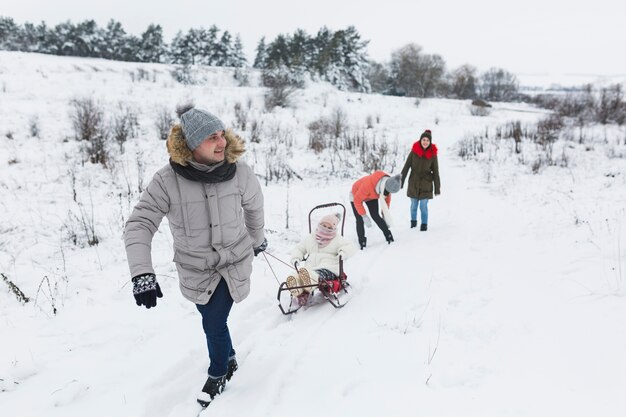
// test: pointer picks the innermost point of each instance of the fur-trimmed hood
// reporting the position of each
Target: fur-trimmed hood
(180, 152)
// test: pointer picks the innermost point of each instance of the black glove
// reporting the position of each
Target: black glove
(146, 289)
(261, 247)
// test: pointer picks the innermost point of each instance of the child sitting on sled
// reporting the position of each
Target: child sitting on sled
(317, 257)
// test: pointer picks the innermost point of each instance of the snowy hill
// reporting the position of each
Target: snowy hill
(512, 304)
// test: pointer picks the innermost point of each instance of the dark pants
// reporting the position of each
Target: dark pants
(214, 317)
(372, 207)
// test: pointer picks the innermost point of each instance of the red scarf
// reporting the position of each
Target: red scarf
(425, 153)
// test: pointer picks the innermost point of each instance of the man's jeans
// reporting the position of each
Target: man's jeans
(214, 317)
(423, 205)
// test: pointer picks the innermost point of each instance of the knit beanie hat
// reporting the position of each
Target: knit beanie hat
(197, 124)
(427, 133)
(392, 185)
(324, 234)
(332, 219)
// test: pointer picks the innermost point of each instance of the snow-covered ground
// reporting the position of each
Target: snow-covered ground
(512, 304)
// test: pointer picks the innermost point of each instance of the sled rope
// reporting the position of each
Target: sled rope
(270, 265)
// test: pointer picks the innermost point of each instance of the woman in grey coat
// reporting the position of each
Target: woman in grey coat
(214, 206)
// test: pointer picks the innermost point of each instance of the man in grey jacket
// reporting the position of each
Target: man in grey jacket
(214, 206)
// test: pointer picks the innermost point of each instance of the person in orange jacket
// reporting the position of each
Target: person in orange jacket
(375, 192)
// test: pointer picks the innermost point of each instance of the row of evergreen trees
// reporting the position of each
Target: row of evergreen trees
(87, 39)
(338, 57)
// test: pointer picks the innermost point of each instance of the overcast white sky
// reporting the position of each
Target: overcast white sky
(530, 36)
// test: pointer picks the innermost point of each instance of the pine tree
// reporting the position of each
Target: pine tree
(322, 56)
(201, 45)
(9, 34)
(85, 36)
(351, 57)
(238, 59)
(115, 39)
(29, 39)
(298, 48)
(152, 47)
(64, 38)
(224, 50)
(278, 53)
(260, 60)
(131, 49)
(211, 50)
(179, 52)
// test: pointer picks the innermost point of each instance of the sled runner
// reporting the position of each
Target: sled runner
(332, 290)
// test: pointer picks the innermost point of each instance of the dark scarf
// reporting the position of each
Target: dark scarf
(222, 173)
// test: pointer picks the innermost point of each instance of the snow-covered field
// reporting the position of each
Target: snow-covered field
(512, 304)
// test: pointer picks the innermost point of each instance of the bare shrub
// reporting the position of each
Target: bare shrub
(325, 130)
(549, 129)
(611, 106)
(517, 137)
(375, 153)
(163, 122)
(142, 75)
(241, 116)
(470, 146)
(242, 76)
(80, 230)
(498, 85)
(319, 131)
(87, 118)
(281, 83)
(13, 288)
(255, 131)
(537, 164)
(186, 75)
(33, 126)
(141, 171)
(98, 149)
(463, 82)
(49, 292)
(124, 124)
(275, 133)
(339, 120)
(276, 166)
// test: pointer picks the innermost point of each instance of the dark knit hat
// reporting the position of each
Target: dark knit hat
(197, 124)
(427, 133)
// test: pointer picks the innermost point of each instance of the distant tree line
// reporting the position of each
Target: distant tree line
(87, 39)
(339, 57)
(603, 105)
(413, 73)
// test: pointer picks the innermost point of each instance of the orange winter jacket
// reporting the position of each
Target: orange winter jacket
(365, 189)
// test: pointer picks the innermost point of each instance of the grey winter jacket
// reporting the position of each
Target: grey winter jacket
(214, 226)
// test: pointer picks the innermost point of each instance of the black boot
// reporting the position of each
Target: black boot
(232, 367)
(363, 242)
(389, 236)
(413, 223)
(423, 227)
(212, 388)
